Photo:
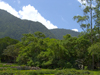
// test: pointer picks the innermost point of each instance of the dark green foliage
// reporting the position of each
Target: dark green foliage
(47, 53)
(39, 34)
(59, 33)
(51, 53)
(4, 42)
(69, 44)
(35, 50)
(14, 27)
(11, 51)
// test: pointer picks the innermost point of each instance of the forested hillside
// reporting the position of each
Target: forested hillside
(59, 33)
(14, 27)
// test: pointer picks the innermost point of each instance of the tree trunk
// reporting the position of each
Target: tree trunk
(91, 33)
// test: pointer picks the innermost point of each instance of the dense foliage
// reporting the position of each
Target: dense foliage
(37, 50)
(5, 42)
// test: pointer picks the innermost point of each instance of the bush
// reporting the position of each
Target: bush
(26, 68)
(68, 65)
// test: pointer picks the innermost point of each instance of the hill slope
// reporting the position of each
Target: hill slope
(14, 27)
(59, 33)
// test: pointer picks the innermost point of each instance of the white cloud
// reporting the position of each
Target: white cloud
(84, 1)
(75, 30)
(28, 12)
(8, 8)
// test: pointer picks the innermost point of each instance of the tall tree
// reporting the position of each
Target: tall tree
(87, 19)
(94, 49)
(97, 16)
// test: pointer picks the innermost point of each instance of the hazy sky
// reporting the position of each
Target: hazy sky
(51, 13)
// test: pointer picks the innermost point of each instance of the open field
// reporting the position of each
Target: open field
(5, 69)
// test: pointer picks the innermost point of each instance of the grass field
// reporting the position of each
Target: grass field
(5, 69)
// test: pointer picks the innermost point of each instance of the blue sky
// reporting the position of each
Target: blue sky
(51, 13)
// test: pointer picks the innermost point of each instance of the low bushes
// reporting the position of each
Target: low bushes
(26, 68)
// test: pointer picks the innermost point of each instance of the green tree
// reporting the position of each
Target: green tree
(82, 50)
(95, 50)
(69, 44)
(86, 20)
(39, 35)
(26, 50)
(55, 54)
(97, 17)
(4, 42)
(31, 47)
(11, 51)
(66, 36)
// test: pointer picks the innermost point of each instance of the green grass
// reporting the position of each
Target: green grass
(9, 71)
(7, 65)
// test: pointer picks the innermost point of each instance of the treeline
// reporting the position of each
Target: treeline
(37, 50)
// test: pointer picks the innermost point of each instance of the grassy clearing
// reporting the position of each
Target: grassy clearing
(7, 70)
(7, 65)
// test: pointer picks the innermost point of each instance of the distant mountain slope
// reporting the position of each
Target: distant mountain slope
(14, 27)
(59, 33)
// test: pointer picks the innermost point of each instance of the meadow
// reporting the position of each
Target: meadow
(6, 69)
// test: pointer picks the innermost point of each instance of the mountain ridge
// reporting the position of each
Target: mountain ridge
(59, 33)
(14, 27)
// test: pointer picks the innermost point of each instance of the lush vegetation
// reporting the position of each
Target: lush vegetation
(37, 50)
(4, 42)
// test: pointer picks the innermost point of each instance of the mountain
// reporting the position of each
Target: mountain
(59, 33)
(14, 27)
